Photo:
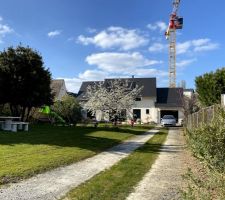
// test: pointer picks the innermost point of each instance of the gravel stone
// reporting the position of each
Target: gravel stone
(164, 179)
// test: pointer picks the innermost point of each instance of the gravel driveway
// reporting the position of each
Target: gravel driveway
(163, 180)
(56, 183)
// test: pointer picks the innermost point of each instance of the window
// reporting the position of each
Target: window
(147, 111)
(138, 99)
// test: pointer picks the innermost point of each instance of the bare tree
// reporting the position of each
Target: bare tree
(111, 97)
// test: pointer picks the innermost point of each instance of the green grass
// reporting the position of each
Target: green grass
(44, 147)
(117, 182)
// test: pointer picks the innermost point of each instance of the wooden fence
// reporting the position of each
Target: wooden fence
(203, 116)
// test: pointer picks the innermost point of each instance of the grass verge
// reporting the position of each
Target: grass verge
(44, 147)
(118, 181)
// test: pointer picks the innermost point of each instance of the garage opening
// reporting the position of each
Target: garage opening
(169, 112)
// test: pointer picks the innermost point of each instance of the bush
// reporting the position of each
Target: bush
(208, 141)
(69, 109)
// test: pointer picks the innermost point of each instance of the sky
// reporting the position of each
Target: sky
(86, 40)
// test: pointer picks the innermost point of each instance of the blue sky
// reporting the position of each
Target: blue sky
(83, 40)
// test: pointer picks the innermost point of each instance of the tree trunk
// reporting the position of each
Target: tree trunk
(28, 113)
(23, 113)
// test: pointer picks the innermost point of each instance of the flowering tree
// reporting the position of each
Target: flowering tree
(111, 97)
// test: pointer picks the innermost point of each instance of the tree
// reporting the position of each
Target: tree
(190, 104)
(69, 109)
(210, 86)
(111, 97)
(24, 82)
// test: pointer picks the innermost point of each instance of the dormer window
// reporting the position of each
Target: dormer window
(138, 99)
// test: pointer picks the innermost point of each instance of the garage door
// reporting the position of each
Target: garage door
(169, 112)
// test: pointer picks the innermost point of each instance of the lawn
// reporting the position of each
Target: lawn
(44, 147)
(118, 182)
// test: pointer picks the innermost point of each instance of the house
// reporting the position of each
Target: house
(58, 87)
(188, 93)
(153, 102)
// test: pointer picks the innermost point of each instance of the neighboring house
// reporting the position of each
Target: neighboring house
(58, 87)
(188, 93)
(153, 102)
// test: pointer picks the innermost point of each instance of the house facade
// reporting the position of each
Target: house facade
(152, 104)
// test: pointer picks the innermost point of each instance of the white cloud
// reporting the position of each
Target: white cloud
(115, 37)
(119, 62)
(91, 30)
(93, 75)
(160, 25)
(182, 48)
(200, 42)
(184, 63)
(207, 47)
(157, 47)
(4, 30)
(72, 84)
(54, 33)
(111, 65)
(199, 45)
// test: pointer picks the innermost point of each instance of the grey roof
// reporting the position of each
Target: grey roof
(83, 87)
(169, 97)
(56, 86)
(149, 86)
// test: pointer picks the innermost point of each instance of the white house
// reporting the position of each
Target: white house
(189, 93)
(153, 102)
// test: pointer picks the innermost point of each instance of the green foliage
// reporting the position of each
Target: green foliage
(69, 109)
(208, 141)
(24, 82)
(56, 119)
(210, 86)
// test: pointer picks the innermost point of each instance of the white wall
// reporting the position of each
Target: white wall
(147, 103)
(188, 94)
(101, 116)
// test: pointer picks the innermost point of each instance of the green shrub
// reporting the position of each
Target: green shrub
(68, 109)
(206, 185)
(208, 141)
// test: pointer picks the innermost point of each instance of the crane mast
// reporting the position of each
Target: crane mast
(174, 24)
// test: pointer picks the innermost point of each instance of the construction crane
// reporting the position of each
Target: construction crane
(175, 23)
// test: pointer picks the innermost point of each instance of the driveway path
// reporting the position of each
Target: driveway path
(56, 183)
(164, 178)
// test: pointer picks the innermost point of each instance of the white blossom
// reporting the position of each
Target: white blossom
(111, 96)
